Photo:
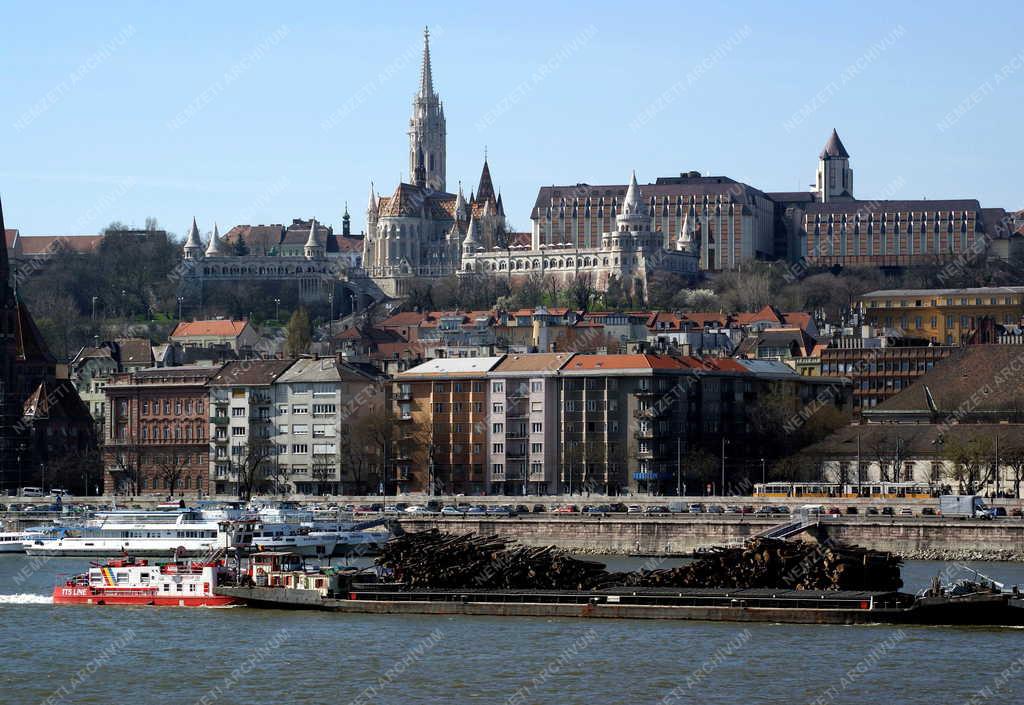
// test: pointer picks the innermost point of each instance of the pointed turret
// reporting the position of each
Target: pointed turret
(485, 191)
(215, 248)
(371, 205)
(460, 205)
(193, 244)
(346, 222)
(470, 244)
(314, 246)
(687, 241)
(834, 148)
(426, 76)
(501, 207)
(634, 214)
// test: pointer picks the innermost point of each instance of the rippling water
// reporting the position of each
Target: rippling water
(182, 656)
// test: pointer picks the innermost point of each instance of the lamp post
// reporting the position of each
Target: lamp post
(181, 300)
(763, 473)
(679, 467)
(330, 323)
(277, 311)
(94, 300)
(722, 489)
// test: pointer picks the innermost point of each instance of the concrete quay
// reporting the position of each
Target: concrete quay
(910, 537)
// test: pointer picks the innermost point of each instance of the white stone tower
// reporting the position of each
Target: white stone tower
(427, 132)
(834, 181)
(193, 245)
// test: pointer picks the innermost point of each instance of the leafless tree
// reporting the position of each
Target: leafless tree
(169, 467)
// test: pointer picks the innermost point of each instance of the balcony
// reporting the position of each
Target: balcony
(405, 395)
(651, 412)
(645, 453)
(518, 393)
(220, 420)
(641, 433)
(404, 417)
(645, 392)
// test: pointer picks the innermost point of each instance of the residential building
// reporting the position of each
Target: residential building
(157, 439)
(238, 336)
(943, 316)
(242, 422)
(316, 401)
(448, 398)
(959, 426)
(523, 427)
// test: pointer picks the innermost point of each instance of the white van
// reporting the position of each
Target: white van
(31, 492)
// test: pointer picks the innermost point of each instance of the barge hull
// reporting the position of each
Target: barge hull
(277, 598)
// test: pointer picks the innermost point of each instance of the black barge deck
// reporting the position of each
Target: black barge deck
(753, 605)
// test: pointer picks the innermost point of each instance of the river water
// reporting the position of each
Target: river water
(152, 656)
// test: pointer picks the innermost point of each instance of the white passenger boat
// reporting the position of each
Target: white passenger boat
(184, 533)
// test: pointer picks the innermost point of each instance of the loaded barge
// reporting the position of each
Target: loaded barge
(277, 581)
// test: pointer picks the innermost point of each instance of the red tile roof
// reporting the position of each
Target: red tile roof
(223, 328)
(625, 362)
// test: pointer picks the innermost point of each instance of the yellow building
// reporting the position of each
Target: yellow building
(943, 316)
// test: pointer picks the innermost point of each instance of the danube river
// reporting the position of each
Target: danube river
(152, 656)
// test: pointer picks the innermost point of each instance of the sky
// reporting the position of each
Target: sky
(263, 112)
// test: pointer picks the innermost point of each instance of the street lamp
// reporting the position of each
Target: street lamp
(181, 300)
(763, 474)
(94, 300)
(277, 311)
(330, 323)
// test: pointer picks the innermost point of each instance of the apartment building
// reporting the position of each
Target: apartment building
(312, 400)
(449, 398)
(523, 430)
(242, 421)
(157, 437)
(943, 316)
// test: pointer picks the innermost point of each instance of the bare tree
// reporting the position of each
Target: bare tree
(128, 456)
(889, 454)
(169, 468)
(1013, 458)
(252, 466)
(969, 462)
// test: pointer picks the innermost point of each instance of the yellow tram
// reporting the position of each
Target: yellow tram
(867, 490)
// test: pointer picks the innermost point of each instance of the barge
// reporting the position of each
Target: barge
(277, 581)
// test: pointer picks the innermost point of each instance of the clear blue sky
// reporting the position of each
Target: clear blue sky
(123, 111)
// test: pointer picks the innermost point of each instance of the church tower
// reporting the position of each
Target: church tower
(427, 131)
(834, 181)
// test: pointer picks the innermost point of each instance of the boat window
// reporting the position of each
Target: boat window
(178, 587)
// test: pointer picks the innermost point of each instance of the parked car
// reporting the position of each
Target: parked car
(31, 492)
(634, 509)
(765, 510)
(928, 512)
(1015, 512)
(451, 511)
(498, 511)
(539, 509)
(417, 509)
(852, 510)
(656, 509)
(873, 511)
(60, 493)
(476, 510)
(998, 511)
(618, 508)
(522, 509)
(566, 509)
(906, 512)
(715, 509)
(733, 509)
(696, 508)
(888, 511)
(835, 511)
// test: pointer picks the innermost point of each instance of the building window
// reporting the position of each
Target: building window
(498, 387)
(145, 407)
(498, 428)
(300, 429)
(499, 408)
(498, 469)
(537, 428)
(536, 385)
(300, 448)
(536, 447)
(303, 409)
(498, 448)
(238, 430)
(439, 407)
(237, 412)
(537, 406)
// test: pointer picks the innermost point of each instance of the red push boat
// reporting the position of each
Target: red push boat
(129, 581)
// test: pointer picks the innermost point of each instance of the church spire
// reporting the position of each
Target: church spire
(485, 190)
(193, 245)
(215, 248)
(6, 293)
(426, 77)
